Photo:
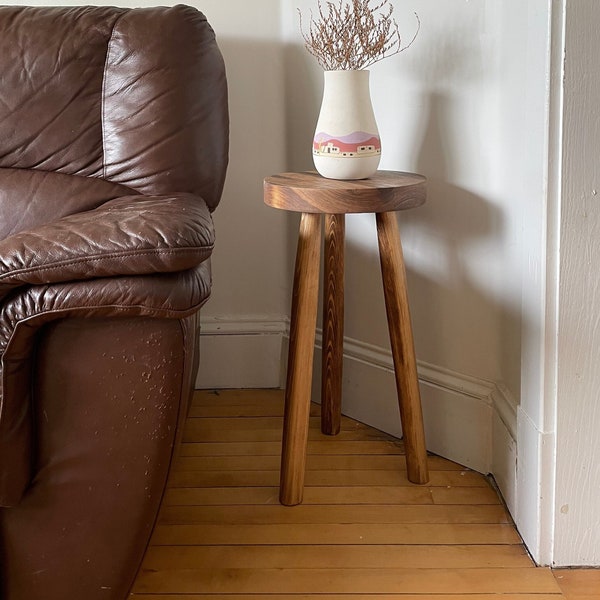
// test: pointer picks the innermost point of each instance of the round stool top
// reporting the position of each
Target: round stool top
(309, 192)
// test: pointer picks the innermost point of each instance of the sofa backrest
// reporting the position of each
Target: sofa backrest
(137, 97)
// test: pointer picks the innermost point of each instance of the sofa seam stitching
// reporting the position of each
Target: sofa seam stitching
(109, 256)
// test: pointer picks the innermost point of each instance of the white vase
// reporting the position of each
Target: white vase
(346, 143)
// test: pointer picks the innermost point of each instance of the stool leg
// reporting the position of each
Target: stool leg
(401, 339)
(333, 325)
(300, 360)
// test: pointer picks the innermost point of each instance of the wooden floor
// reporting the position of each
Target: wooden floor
(362, 532)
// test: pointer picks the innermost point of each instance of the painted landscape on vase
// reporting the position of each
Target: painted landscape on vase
(356, 144)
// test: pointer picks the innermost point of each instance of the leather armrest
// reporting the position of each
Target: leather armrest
(131, 235)
(162, 296)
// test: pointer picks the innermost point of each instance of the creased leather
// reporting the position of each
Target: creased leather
(45, 196)
(51, 91)
(135, 97)
(185, 150)
(168, 295)
(125, 236)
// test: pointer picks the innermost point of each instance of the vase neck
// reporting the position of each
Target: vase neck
(347, 74)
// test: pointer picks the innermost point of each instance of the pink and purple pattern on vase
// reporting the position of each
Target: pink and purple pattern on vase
(357, 144)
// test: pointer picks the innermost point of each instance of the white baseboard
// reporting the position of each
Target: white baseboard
(469, 420)
(241, 353)
(535, 483)
(504, 446)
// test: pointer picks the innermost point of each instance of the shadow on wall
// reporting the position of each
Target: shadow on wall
(466, 326)
(251, 234)
(302, 94)
(452, 244)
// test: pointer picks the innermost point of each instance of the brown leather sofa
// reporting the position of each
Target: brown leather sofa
(113, 151)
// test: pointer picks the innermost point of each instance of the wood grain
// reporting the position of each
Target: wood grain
(266, 448)
(405, 365)
(333, 496)
(314, 462)
(350, 581)
(300, 359)
(384, 192)
(579, 584)
(333, 477)
(311, 193)
(342, 533)
(333, 325)
(375, 513)
(346, 597)
(313, 556)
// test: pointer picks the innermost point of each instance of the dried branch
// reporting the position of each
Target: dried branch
(353, 35)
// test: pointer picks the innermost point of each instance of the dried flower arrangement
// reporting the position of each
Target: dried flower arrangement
(354, 35)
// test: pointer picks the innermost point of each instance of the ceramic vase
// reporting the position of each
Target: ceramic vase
(346, 143)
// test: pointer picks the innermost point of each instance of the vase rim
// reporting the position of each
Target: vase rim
(346, 71)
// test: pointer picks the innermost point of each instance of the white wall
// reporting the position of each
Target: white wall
(249, 266)
(244, 321)
(447, 108)
(467, 106)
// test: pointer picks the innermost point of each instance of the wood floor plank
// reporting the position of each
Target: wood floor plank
(209, 424)
(337, 581)
(273, 448)
(323, 478)
(267, 429)
(350, 556)
(228, 496)
(335, 495)
(579, 584)
(313, 495)
(492, 596)
(234, 397)
(462, 495)
(260, 408)
(276, 513)
(348, 533)
(315, 462)
(398, 495)
(194, 433)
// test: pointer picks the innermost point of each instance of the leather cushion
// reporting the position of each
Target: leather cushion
(132, 235)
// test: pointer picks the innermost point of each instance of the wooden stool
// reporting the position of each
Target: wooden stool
(313, 195)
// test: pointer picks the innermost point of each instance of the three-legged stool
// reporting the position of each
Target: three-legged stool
(313, 195)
